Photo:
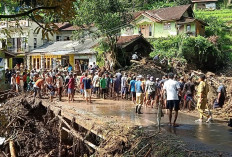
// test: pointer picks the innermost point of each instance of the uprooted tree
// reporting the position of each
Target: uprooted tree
(108, 16)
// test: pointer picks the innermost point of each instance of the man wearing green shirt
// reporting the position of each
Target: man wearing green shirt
(103, 85)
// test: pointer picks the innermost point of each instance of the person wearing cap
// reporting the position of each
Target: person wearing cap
(132, 89)
(96, 84)
(124, 86)
(146, 84)
(172, 89)
(139, 88)
(59, 84)
(202, 92)
(151, 91)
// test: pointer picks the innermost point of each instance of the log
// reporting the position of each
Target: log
(12, 148)
(77, 135)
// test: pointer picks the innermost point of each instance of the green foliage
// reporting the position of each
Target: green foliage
(101, 49)
(220, 24)
(195, 50)
(183, 2)
(157, 5)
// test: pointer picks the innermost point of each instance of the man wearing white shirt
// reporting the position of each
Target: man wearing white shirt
(172, 89)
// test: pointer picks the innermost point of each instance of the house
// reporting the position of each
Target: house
(166, 22)
(128, 45)
(51, 54)
(205, 4)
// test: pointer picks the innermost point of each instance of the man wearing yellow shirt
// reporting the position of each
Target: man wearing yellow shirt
(202, 93)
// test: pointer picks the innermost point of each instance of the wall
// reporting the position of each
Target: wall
(199, 29)
(160, 32)
(92, 58)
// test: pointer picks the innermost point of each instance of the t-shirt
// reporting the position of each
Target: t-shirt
(103, 83)
(17, 78)
(24, 78)
(81, 82)
(181, 85)
(124, 82)
(171, 88)
(221, 89)
(96, 81)
(67, 79)
(87, 83)
(135, 57)
(151, 87)
(132, 85)
(69, 68)
(138, 88)
(117, 82)
(119, 75)
(189, 88)
(71, 83)
(59, 82)
(38, 83)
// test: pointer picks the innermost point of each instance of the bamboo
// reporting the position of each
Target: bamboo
(12, 148)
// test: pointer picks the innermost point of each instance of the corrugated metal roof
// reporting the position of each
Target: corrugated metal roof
(66, 47)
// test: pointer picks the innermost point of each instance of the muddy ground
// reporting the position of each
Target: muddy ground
(35, 131)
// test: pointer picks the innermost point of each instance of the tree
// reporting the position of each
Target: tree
(108, 16)
(43, 12)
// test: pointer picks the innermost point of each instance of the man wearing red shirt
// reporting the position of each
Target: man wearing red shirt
(24, 81)
(82, 84)
(71, 86)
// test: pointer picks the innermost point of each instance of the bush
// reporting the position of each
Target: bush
(198, 51)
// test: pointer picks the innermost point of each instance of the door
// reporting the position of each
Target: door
(145, 30)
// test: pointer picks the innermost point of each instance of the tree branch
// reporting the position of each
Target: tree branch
(27, 12)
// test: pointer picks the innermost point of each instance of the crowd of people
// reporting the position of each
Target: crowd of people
(171, 91)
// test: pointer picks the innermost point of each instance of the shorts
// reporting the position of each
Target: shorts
(151, 96)
(188, 98)
(139, 98)
(124, 90)
(87, 93)
(133, 94)
(70, 91)
(173, 104)
(52, 93)
(82, 91)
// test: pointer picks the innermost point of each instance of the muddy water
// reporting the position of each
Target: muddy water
(199, 136)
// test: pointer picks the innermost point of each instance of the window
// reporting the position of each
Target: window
(35, 42)
(140, 30)
(188, 28)
(167, 26)
(58, 38)
(24, 43)
(150, 30)
(66, 38)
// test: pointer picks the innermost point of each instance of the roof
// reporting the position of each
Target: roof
(67, 47)
(165, 14)
(124, 41)
(66, 26)
(199, 1)
(190, 20)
